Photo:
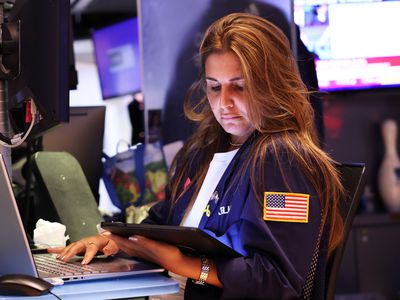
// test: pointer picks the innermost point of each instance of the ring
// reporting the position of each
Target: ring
(93, 243)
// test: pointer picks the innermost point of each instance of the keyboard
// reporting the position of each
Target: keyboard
(49, 264)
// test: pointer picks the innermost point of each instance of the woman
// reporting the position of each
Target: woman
(251, 175)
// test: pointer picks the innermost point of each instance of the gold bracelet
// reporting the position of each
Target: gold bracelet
(205, 269)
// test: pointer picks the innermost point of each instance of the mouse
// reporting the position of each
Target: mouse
(23, 285)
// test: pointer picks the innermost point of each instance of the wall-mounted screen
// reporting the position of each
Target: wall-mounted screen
(117, 57)
(356, 43)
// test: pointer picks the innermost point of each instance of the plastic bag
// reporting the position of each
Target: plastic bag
(135, 179)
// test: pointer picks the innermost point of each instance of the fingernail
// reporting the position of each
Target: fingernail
(105, 233)
(84, 262)
(133, 238)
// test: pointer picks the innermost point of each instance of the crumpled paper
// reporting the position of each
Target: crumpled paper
(51, 234)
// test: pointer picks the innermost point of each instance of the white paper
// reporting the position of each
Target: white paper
(51, 234)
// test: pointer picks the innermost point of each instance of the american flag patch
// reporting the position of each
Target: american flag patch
(286, 207)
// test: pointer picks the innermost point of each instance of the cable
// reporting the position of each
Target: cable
(5, 139)
(16, 140)
(54, 295)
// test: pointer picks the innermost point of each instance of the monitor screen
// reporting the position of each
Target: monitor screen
(117, 56)
(356, 43)
(44, 63)
(83, 138)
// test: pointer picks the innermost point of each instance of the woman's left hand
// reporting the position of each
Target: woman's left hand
(163, 254)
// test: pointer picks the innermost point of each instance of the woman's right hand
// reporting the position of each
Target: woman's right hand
(88, 246)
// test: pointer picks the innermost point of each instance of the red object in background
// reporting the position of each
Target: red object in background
(28, 113)
(333, 121)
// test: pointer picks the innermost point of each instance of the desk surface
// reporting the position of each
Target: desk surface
(122, 287)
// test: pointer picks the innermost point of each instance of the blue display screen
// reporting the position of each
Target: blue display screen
(118, 58)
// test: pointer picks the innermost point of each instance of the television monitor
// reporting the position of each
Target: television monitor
(355, 42)
(83, 138)
(117, 57)
(44, 61)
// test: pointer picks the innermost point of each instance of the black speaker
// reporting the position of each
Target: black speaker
(63, 194)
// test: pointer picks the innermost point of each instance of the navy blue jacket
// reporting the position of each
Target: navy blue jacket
(277, 255)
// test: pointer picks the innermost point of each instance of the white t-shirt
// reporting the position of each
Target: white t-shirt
(215, 171)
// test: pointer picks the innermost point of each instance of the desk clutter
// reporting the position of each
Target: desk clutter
(134, 179)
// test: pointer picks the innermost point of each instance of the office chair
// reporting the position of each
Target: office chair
(352, 178)
(64, 195)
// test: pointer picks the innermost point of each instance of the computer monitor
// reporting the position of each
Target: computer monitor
(44, 61)
(118, 60)
(83, 138)
(355, 42)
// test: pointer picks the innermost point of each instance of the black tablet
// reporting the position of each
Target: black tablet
(189, 240)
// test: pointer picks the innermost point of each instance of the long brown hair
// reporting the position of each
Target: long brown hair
(278, 106)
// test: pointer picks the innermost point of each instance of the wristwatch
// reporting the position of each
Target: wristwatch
(205, 269)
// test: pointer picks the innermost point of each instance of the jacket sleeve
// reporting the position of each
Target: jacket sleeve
(279, 253)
